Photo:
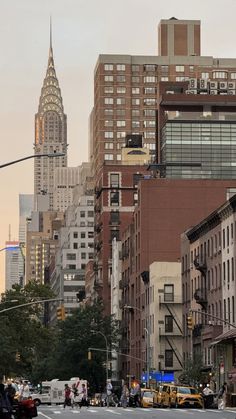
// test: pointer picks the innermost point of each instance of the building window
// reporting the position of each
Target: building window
(108, 100)
(114, 180)
(233, 76)
(149, 102)
(135, 90)
(108, 67)
(75, 245)
(82, 214)
(82, 245)
(120, 79)
(181, 78)
(135, 124)
(205, 76)
(149, 124)
(149, 67)
(83, 255)
(220, 74)
(121, 90)
(90, 214)
(114, 217)
(179, 68)
(108, 90)
(168, 292)
(150, 79)
(71, 256)
(164, 78)
(108, 157)
(169, 358)
(75, 235)
(120, 134)
(135, 67)
(108, 78)
(135, 79)
(120, 101)
(149, 90)
(232, 269)
(120, 67)
(149, 112)
(135, 112)
(108, 112)
(108, 123)
(120, 124)
(108, 134)
(82, 235)
(114, 198)
(164, 68)
(168, 324)
(109, 146)
(118, 157)
(135, 102)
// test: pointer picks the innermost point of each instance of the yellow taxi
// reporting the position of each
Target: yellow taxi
(147, 397)
(157, 396)
(181, 396)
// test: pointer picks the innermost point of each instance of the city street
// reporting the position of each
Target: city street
(52, 412)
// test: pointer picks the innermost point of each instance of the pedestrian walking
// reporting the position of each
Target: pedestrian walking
(67, 401)
(109, 393)
(83, 397)
(222, 397)
(124, 396)
(5, 404)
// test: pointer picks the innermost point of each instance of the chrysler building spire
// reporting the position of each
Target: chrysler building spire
(50, 131)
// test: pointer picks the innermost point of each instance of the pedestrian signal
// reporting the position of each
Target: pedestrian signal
(89, 355)
(190, 322)
(17, 357)
(61, 313)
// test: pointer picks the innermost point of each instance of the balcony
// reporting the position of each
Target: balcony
(200, 296)
(165, 332)
(200, 264)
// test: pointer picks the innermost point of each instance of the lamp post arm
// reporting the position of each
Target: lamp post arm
(33, 156)
(30, 304)
(119, 353)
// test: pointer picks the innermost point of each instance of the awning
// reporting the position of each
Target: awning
(230, 334)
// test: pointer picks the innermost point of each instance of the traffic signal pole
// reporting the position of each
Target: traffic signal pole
(210, 316)
(48, 300)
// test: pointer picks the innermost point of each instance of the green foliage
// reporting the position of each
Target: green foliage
(70, 357)
(192, 373)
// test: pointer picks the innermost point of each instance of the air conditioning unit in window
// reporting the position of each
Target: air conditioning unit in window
(203, 84)
(223, 85)
(192, 83)
(231, 92)
(191, 92)
(213, 85)
(213, 92)
(231, 85)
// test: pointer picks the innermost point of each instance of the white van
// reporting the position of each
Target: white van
(54, 391)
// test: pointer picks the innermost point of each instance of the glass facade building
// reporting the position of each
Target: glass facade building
(209, 142)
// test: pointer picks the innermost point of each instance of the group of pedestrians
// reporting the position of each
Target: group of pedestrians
(76, 396)
(128, 396)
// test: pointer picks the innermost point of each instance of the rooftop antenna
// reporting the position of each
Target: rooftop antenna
(50, 48)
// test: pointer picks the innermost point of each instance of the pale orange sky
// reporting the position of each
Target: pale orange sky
(82, 29)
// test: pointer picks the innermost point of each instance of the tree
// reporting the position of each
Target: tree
(23, 337)
(70, 356)
(192, 373)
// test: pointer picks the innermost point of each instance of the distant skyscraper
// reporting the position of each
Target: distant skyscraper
(50, 132)
(26, 206)
(12, 252)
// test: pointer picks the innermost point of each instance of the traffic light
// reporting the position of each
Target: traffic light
(61, 313)
(17, 357)
(190, 322)
(89, 355)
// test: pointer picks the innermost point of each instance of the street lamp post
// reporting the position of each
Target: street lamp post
(33, 156)
(147, 331)
(104, 336)
(47, 300)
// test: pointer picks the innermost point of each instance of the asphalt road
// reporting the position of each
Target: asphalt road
(57, 412)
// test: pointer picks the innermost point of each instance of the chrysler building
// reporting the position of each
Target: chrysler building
(50, 132)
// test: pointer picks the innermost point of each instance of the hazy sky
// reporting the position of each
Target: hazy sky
(82, 29)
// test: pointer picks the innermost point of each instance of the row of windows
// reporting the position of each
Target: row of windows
(135, 79)
(120, 124)
(134, 112)
(135, 102)
(110, 146)
(134, 90)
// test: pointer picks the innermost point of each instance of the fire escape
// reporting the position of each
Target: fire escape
(171, 335)
(200, 294)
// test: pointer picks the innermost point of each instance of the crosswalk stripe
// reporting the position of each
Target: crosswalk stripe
(112, 411)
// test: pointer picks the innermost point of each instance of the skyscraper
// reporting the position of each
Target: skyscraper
(50, 132)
